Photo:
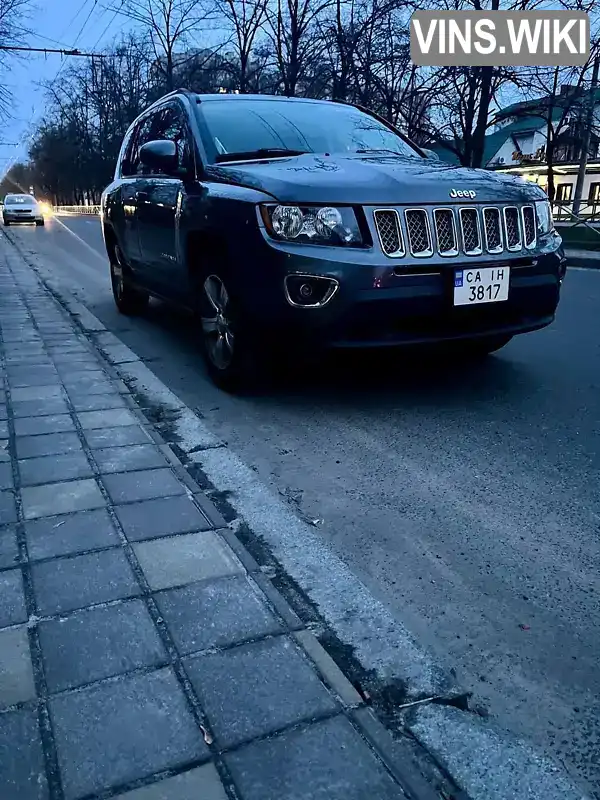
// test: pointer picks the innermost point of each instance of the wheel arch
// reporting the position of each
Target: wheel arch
(203, 250)
(110, 239)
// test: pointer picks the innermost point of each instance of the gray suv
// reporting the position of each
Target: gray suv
(297, 225)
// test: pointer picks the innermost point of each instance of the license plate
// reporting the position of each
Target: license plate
(481, 285)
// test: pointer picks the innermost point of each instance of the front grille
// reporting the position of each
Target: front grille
(417, 227)
(389, 231)
(528, 226)
(454, 231)
(492, 225)
(513, 229)
(445, 231)
(469, 223)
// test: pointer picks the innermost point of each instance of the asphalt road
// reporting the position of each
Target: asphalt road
(467, 499)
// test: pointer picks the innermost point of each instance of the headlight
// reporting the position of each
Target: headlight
(543, 213)
(313, 224)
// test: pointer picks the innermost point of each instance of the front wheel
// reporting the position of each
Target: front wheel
(231, 356)
(39, 223)
(6, 222)
(129, 301)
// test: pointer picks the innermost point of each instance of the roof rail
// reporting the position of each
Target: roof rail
(180, 90)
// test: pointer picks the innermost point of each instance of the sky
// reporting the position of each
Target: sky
(87, 24)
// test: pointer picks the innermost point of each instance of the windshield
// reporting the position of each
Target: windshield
(244, 126)
(18, 199)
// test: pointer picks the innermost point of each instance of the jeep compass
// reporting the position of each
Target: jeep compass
(294, 223)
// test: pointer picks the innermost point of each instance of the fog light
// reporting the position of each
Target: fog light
(309, 291)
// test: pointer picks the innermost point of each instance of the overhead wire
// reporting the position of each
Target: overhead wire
(110, 22)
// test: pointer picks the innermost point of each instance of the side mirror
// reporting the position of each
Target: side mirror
(430, 154)
(160, 155)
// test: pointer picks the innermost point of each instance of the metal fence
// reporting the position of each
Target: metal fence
(563, 212)
(76, 209)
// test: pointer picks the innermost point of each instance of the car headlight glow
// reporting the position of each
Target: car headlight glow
(543, 213)
(313, 224)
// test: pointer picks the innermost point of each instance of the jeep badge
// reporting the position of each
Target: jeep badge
(463, 193)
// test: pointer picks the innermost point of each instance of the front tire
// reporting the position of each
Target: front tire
(39, 223)
(129, 300)
(6, 222)
(230, 354)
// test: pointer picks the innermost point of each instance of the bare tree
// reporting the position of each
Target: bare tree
(463, 109)
(468, 96)
(292, 26)
(246, 18)
(13, 15)
(170, 26)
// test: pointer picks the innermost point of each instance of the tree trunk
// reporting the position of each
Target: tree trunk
(485, 97)
(550, 163)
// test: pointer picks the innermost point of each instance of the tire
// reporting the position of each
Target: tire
(232, 358)
(129, 301)
(39, 223)
(481, 348)
(6, 223)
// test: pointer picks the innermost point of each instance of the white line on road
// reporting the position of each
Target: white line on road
(80, 240)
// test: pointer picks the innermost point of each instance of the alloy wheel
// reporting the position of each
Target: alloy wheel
(218, 333)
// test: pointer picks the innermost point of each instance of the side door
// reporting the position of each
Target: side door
(128, 189)
(160, 200)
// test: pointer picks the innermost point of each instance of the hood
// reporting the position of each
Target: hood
(371, 180)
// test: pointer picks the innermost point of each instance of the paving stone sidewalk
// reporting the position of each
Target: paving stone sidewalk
(142, 656)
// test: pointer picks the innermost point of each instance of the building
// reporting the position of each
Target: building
(517, 144)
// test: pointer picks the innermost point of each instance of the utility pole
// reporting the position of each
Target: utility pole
(585, 139)
(48, 50)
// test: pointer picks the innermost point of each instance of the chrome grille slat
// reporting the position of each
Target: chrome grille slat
(529, 228)
(451, 231)
(512, 228)
(445, 231)
(470, 230)
(492, 229)
(418, 232)
(389, 230)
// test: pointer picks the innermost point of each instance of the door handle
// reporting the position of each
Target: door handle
(141, 195)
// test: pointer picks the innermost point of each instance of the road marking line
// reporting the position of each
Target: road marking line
(80, 240)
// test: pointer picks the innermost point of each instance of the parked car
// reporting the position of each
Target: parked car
(22, 208)
(295, 223)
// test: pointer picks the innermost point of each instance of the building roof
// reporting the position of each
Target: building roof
(494, 141)
(540, 103)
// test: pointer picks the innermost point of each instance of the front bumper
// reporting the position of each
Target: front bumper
(25, 216)
(380, 303)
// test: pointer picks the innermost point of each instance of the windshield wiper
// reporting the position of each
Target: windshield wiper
(263, 152)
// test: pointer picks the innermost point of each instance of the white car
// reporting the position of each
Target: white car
(22, 208)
